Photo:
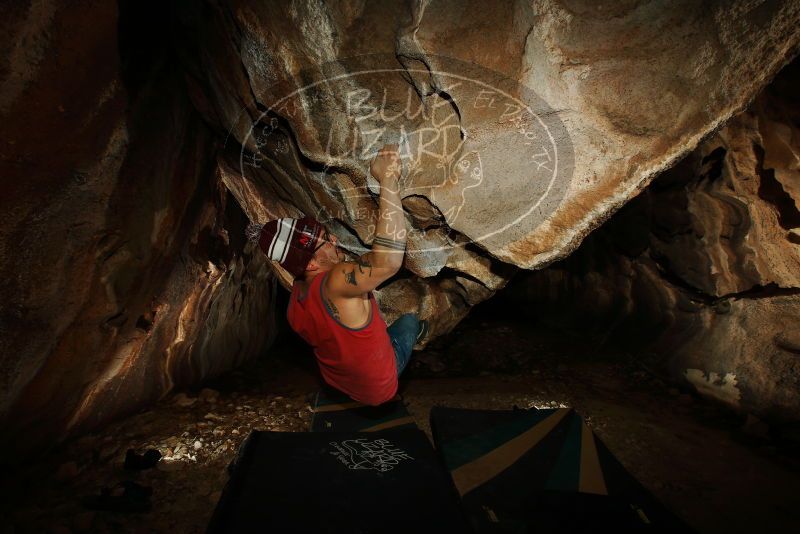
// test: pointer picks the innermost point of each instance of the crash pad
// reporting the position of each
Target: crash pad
(335, 412)
(382, 481)
(541, 471)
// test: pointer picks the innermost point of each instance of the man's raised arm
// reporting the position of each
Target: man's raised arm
(354, 278)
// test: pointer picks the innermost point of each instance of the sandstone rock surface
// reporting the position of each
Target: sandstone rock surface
(125, 138)
(704, 266)
(122, 269)
(522, 127)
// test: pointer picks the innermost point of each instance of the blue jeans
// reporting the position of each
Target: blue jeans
(403, 333)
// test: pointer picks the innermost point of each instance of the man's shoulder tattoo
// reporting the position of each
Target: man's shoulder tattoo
(362, 264)
(332, 306)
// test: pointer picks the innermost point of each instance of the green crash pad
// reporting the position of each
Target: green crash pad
(541, 471)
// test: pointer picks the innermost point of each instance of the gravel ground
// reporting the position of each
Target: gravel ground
(718, 471)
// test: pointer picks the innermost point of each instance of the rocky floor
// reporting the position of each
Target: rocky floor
(718, 471)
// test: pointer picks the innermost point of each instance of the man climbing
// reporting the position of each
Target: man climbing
(332, 306)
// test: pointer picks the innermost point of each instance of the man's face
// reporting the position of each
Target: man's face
(327, 253)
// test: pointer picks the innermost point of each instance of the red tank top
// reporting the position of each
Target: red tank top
(357, 361)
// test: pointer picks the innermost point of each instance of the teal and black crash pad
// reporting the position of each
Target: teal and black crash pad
(385, 481)
(335, 412)
(541, 471)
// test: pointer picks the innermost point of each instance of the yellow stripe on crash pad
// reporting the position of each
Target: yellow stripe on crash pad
(591, 474)
(339, 406)
(471, 475)
(390, 424)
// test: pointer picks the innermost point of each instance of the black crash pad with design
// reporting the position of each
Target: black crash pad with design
(541, 471)
(383, 481)
(335, 412)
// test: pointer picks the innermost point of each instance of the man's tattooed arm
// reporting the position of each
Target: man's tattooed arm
(362, 263)
(389, 243)
(364, 267)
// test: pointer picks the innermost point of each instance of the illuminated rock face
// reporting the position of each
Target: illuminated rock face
(124, 269)
(704, 266)
(122, 266)
(522, 127)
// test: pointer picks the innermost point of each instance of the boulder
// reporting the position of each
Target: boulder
(701, 272)
(122, 264)
(522, 128)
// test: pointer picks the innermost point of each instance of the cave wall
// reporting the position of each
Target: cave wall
(136, 141)
(701, 272)
(609, 95)
(123, 270)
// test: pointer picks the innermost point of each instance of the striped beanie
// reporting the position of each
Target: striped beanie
(288, 241)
